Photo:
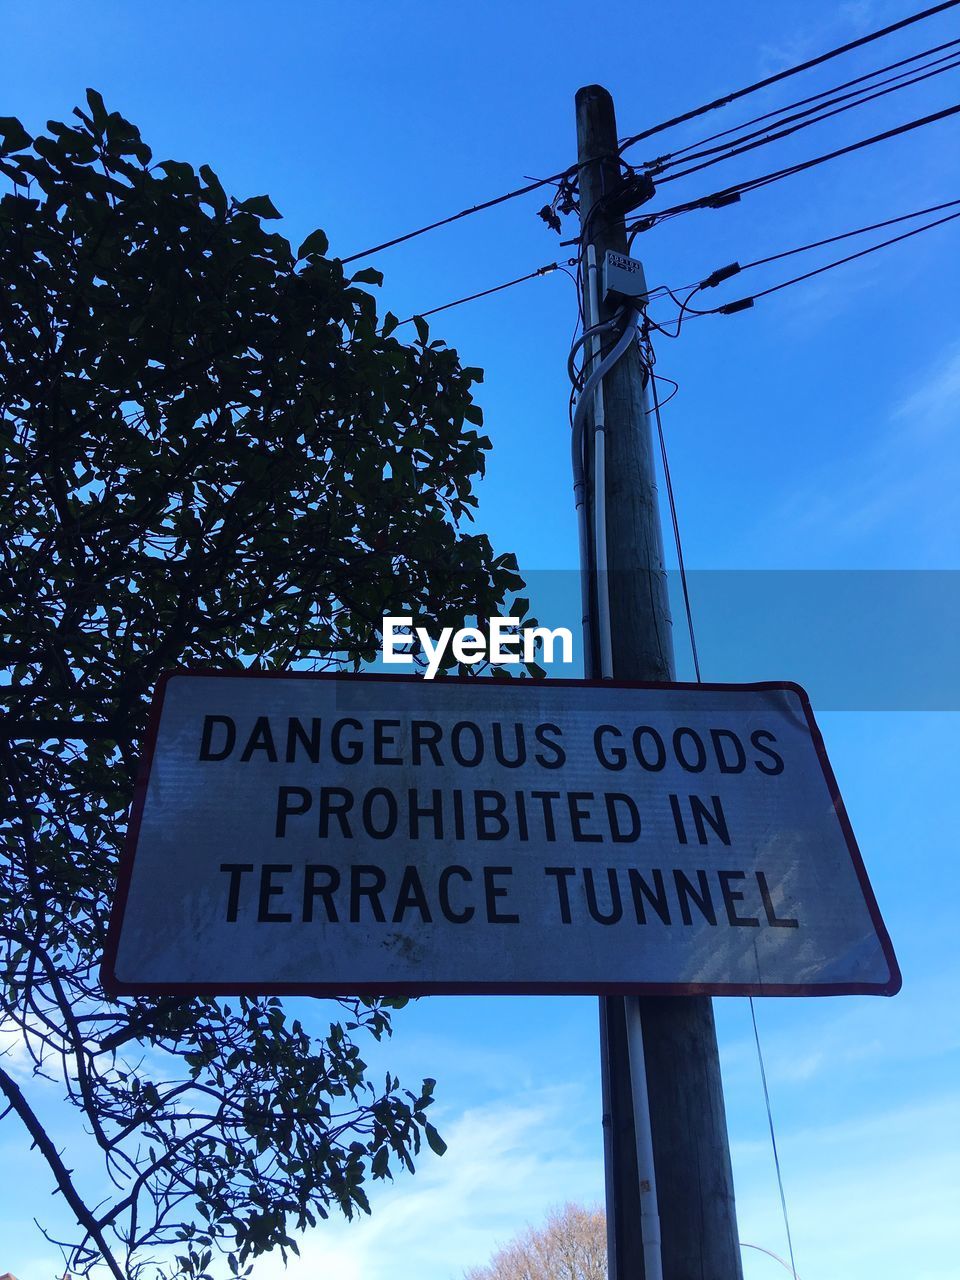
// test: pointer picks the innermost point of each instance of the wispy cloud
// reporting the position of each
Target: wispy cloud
(909, 468)
(842, 23)
(13, 1050)
(506, 1165)
(869, 1199)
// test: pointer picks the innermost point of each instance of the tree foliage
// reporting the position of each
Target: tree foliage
(213, 453)
(571, 1245)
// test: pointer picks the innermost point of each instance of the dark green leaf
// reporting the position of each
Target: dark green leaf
(316, 242)
(262, 206)
(97, 109)
(437, 1144)
(369, 275)
(15, 137)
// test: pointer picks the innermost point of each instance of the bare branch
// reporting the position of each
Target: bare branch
(39, 1135)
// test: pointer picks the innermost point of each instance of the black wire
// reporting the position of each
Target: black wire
(671, 499)
(790, 71)
(576, 330)
(674, 156)
(650, 362)
(455, 217)
(852, 257)
(655, 129)
(773, 1137)
(676, 387)
(805, 119)
(682, 308)
(484, 293)
(732, 193)
(845, 235)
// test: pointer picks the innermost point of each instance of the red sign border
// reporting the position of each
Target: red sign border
(115, 986)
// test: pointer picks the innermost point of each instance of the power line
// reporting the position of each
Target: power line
(773, 1139)
(789, 71)
(803, 102)
(742, 304)
(808, 275)
(724, 273)
(813, 116)
(846, 235)
(671, 499)
(650, 361)
(728, 195)
(485, 293)
(464, 213)
(655, 129)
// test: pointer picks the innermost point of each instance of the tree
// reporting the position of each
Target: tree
(571, 1245)
(212, 453)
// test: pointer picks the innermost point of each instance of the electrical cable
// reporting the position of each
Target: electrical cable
(598, 507)
(650, 361)
(485, 293)
(846, 235)
(675, 156)
(743, 303)
(579, 478)
(773, 1138)
(659, 377)
(658, 128)
(745, 1244)
(785, 74)
(730, 195)
(684, 307)
(762, 138)
(672, 503)
(587, 334)
(455, 217)
(576, 329)
(735, 268)
(605, 365)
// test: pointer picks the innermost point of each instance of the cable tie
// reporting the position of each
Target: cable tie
(643, 224)
(721, 274)
(742, 304)
(721, 199)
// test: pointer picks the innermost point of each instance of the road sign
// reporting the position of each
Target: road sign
(380, 834)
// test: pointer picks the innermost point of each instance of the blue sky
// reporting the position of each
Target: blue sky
(818, 431)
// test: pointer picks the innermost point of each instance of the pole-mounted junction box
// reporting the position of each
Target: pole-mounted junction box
(623, 278)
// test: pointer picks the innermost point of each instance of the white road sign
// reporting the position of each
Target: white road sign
(380, 834)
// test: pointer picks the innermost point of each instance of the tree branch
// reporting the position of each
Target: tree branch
(60, 1172)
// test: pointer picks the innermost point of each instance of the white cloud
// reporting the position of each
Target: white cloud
(870, 1199)
(506, 1165)
(934, 408)
(909, 469)
(841, 23)
(13, 1050)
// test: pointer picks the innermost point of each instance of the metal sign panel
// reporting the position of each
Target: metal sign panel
(378, 834)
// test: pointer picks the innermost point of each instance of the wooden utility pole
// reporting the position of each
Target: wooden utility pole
(691, 1153)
